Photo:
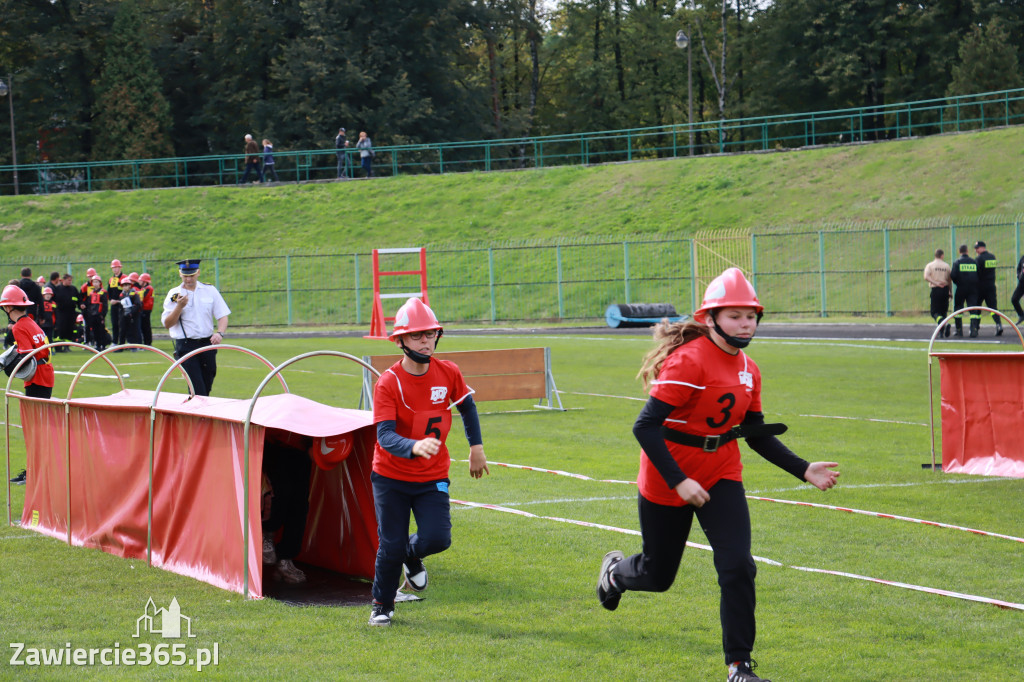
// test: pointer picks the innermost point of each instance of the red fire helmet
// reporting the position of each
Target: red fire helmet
(414, 316)
(728, 290)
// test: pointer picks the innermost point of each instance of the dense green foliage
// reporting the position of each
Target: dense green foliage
(513, 598)
(435, 70)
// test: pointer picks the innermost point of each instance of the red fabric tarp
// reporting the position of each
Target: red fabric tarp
(198, 472)
(982, 413)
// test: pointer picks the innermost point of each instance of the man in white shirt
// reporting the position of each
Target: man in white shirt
(196, 316)
(937, 274)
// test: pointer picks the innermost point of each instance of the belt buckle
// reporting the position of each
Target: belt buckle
(708, 440)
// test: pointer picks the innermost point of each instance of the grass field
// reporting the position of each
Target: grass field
(513, 599)
(951, 176)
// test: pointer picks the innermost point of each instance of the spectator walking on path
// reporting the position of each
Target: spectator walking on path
(937, 273)
(365, 147)
(268, 161)
(341, 146)
(704, 394)
(252, 160)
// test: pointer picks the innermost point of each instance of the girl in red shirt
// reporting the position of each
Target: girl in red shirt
(704, 394)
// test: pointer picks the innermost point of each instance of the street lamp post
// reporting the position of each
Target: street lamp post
(5, 89)
(683, 42)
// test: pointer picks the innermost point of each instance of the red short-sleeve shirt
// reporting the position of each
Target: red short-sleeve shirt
(420, 407)
(712, 392)
(27, 336)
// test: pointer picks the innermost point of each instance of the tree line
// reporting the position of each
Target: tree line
(113, 79)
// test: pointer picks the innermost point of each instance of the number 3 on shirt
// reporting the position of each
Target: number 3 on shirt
(432, 424)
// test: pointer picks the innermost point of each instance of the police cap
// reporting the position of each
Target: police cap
(188, 267)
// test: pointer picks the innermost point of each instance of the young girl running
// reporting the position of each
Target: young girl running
(704, 394)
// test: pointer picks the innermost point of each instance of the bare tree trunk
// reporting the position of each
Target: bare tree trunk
(718, 75)
(534, 38)
(619, 70)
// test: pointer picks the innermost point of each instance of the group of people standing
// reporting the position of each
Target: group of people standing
(366, 154)
(975, 280)
(69, 312)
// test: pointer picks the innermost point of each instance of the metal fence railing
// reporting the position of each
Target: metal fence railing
(853, 270)
(890, 121)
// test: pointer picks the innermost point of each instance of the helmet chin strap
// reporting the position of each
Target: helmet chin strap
(733, 341)
(419, 358)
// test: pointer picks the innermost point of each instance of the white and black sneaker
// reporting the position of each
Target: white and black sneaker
(743, 671)
(415, 574)
(381, 615)
(19, 479)
(607, 593)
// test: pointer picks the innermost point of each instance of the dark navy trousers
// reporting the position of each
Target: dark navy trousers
(393, 500)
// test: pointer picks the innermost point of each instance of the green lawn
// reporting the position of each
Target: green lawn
(954, 176)
(513, 599)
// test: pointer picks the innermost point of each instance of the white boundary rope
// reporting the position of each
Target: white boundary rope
(919, 588)
(880, 515)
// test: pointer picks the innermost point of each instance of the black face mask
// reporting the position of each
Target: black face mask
(734, 341)
(420, 358)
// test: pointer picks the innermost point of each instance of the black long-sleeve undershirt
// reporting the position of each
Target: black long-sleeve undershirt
(647, 430)
(400, 446)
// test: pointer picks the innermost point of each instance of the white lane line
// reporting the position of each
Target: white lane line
(919, 588)
(21, 537)
(861, 419)
(91, 376)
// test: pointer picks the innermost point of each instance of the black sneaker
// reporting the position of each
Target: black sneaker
(19, 479)
(743, 671)
(946, 332)
(999, 329)
(415, 574)
(607, 593)
(381, 615)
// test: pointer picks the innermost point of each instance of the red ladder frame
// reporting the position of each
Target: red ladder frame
(378, 321)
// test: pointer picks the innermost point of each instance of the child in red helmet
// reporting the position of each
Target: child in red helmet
(411, 408)
(27, 337)
(48, 315)
(148, 298)
(704, 394)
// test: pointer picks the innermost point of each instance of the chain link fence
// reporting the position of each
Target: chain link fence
(838, 270)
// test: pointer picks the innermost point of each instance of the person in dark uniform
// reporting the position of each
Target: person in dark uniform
(987, 282)
(965, 277)
(190, 312)
(1018, 293)
(145, 281)
(33, 291)
(66, 295)
(936, 274)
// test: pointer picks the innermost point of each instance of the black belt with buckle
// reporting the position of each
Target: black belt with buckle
(712, 443)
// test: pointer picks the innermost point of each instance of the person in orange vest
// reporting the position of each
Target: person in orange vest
(148, 300)
(114, 300)
(38, 372)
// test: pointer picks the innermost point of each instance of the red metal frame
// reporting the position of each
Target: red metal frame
(378, 321)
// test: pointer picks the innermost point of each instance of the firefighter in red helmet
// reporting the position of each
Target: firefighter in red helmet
(411, 408)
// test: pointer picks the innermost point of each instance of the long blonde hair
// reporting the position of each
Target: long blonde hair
(669, 336)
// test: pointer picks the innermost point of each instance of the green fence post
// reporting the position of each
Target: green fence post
(888, 297)
(216, 272)
(629, 147)
(753, 261)
(1016, 231)
(88, 177)
(952, 243)
(487, 156)
(440, 158)
(490, 278)
(355, 260)
(821, 270)
(693, 277)
(288, 285)
(625, 267)
(558, 260)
